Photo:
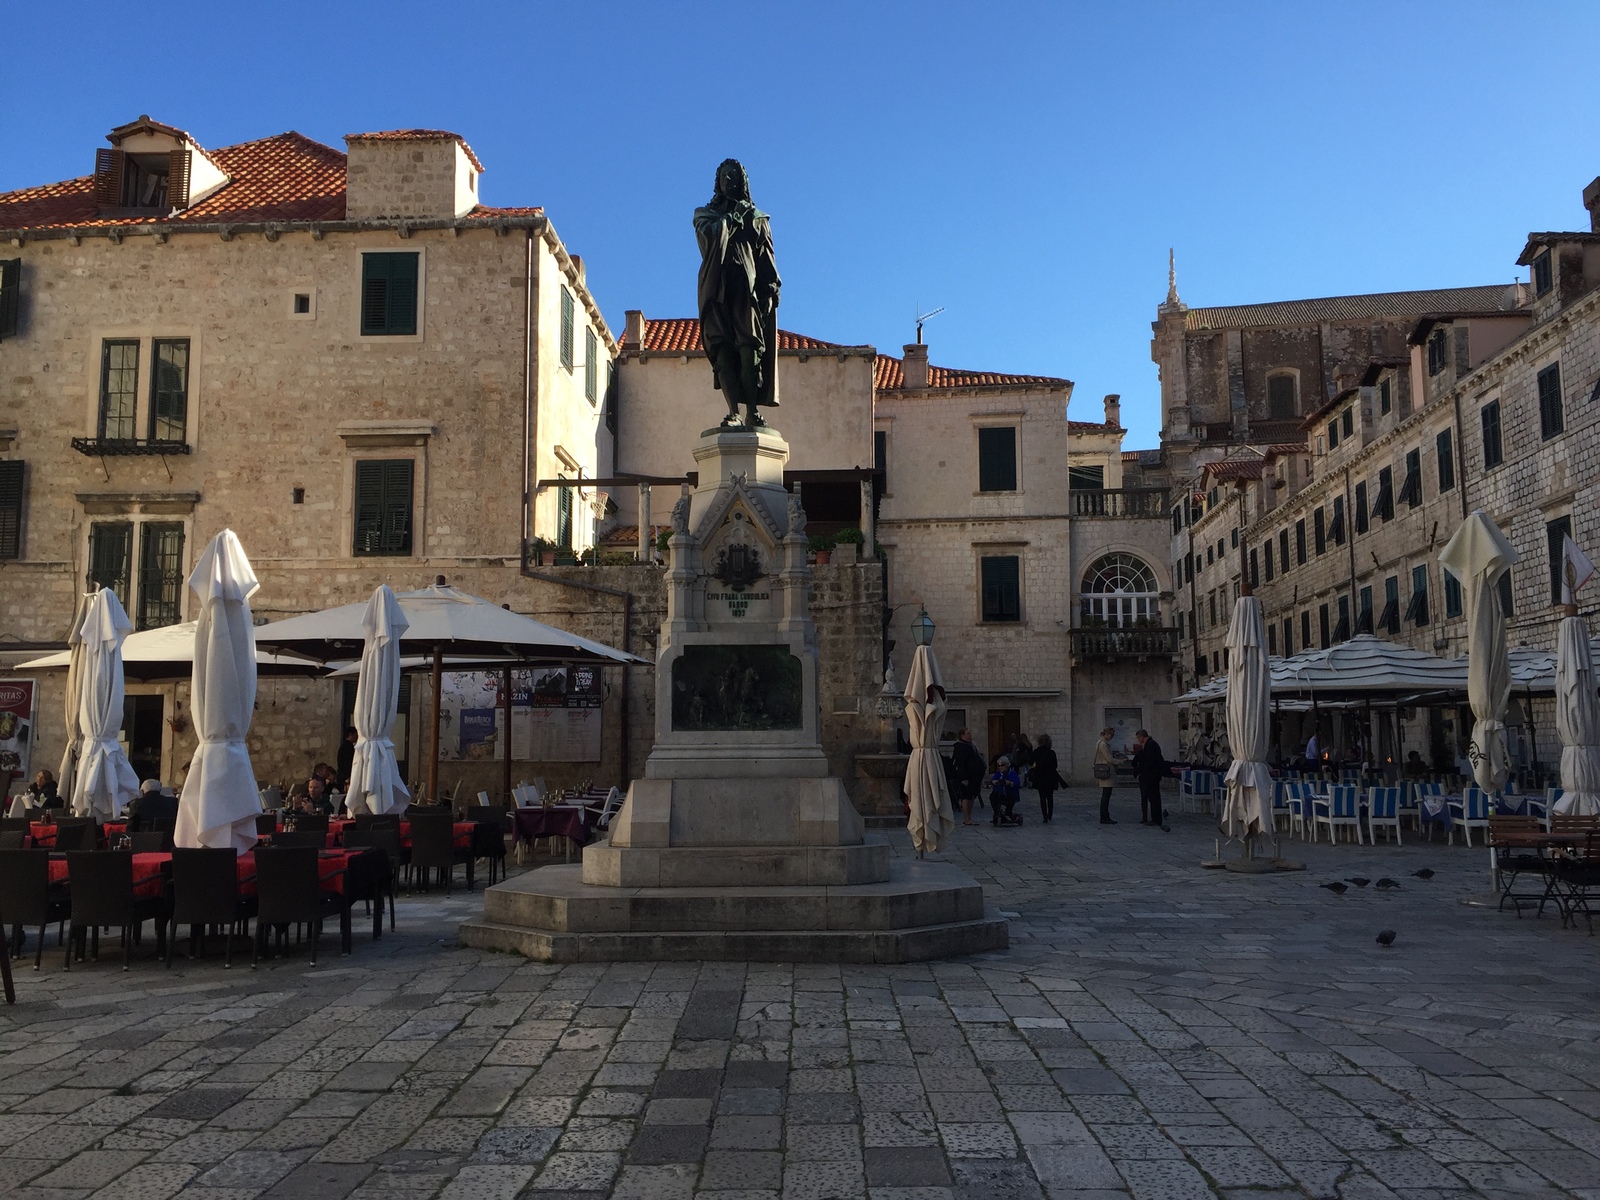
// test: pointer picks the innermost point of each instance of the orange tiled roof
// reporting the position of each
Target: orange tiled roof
(416, 135)
(681, 335)
(890, 376)
(1233, 468)
(287, 177)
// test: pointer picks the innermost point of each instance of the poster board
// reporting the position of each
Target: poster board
(555, 715)
(17, 718)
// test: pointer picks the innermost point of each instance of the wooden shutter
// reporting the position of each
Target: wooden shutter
(402, 294)
(591, 368)
(388, 294)
(368, 507)
(178, 179)
(567, 320)
(383, 493)
(10, 295)
(397, 475)
(374, 295)
(108, 178)
(11, 471)
(997, 459)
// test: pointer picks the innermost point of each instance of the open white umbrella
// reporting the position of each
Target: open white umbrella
(375, 784)
(1247, 810)
(105, 780)
(166, 654)
(68, 774)
(219, 802)
(932, 819)
(1478, 554)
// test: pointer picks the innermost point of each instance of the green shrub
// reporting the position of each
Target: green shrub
(820, 542)
(849, 537)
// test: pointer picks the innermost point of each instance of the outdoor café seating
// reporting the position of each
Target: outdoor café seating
(434, 848)
(28, 898)
(385, 840)
(290, 891)
(1340, 809)
(106, 891)
(206, 894)
(1383, 810)
(1470, 812)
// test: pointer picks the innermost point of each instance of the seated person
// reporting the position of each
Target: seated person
(1415, 767)
(316, 797)
(1004, 788)
(152, 808)
(42, 791)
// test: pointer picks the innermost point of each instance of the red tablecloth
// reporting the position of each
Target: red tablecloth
(149, 868)
(462, 830)
(44, 833)
(559, 820)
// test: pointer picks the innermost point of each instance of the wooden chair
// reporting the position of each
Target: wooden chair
(1341, 810)
(1383, 808)
(1515, 854)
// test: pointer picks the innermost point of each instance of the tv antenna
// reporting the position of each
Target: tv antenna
(925, 317)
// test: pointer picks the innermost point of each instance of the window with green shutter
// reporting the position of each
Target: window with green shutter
(111, 557)
(591, 366)
(1489, 416)
(1444, 448)
(383, 495)
(568, 323)
(1452, 594)
(11, 471)
(564, 516)
(1552, 420)
(1556, 534)
(389, 294)
(169, 390)
(10, 296)
(1002, 587)
(997, 459)
(160, 574)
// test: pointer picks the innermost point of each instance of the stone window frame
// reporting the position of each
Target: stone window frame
(1013, 421)
(146, 336)
(138, 509)
(386, 440)
(1000, 549)
(1293, 375)
(359, 252)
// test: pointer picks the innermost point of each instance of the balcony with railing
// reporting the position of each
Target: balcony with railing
(1142, 503)
(111, 447)
(1111, 644)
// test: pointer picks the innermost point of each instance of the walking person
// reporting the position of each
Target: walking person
(1021, 755)
(1105, 765)
(1149, 767)
(1045, 776)
(968, 767)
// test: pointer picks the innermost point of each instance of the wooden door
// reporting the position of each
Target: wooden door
(1004, 725)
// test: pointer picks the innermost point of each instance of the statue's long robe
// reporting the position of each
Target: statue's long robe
(738, 285)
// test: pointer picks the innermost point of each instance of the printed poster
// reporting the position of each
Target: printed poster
(555, 714)
(17, 698)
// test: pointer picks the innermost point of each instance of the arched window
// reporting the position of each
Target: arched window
(1120, 591)
(1283, 396)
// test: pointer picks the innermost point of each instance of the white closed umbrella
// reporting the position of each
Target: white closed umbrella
(932, 819)
(220, 803)
(1247, 809)
(105, 780)
(68, 774)
(375, 784)
(1478, 554)
(1577, 711)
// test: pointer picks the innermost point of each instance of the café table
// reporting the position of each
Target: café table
(569, 821)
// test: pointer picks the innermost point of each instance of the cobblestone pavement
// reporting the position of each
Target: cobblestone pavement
(1155, 1030)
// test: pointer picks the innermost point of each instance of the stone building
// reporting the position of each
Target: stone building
(1036, 544)
(1490, 405)
(345, 357)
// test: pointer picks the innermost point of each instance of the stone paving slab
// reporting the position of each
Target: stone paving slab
(1155, 1030)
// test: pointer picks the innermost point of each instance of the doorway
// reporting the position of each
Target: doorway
(1004, 725)
(142, 722)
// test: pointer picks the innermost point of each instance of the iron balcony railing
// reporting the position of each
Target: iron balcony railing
(1119, 502)
(123, 447)
(1123, 643)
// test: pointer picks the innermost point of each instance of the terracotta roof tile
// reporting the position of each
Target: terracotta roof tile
(1233, 469)
(416, 135)
(890, 376)
(681, 335)
(287, 177)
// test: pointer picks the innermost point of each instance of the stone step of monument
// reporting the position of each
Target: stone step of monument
(917, 944)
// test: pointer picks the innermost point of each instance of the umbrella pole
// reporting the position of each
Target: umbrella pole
(433, 741)
(505, 777)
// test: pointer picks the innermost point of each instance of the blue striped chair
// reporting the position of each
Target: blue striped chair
(1472, 813)
(1280, 804)
(1383, 808)
(1194, 790)
(1298, 798)
(1342, 809)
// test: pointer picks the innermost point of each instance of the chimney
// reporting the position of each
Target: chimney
(1114, 409)
(633, 329)
(916, 365)
(1591, 201)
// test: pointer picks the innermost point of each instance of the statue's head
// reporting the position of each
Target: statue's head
(732, 182)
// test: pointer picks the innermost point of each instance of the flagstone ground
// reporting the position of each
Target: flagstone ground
(1155, 1030)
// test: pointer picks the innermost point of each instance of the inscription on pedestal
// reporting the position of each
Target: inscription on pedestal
(724, 688)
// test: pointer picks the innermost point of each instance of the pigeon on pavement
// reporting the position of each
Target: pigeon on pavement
(1358, 881)
(1338, 889)
(1386, 883)
(1425, 873)
(1386, 937)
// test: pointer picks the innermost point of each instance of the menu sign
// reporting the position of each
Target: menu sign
(17, 698)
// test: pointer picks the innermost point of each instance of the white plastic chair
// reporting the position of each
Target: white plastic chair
(1383, 808)
(1341, 810)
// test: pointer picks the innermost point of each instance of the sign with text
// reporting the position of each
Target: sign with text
(17, 698)
(555, 714)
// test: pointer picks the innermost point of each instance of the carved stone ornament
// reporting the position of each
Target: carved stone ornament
(738, 566)
(797, 516)
(680, 516)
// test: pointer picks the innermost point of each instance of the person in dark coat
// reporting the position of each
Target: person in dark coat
(1045, 776)
(346, 759)
(1149, 768)
(969, 771)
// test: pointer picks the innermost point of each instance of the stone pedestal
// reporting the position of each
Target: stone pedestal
(738, 842)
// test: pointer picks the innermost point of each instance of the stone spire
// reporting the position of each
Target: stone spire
(1172, 300)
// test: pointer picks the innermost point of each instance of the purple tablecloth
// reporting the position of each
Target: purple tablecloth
(556, 821)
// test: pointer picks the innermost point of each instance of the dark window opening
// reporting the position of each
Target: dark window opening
(160, 575)
(146, 180)
(1417, 609)
(1389, 619)
(1305, 630)
(880, 461)
(1444, 450)
(1300, 540)
(1385, 396)
(1362, 524)
(1341, 630)
(1086, 478)
(1336, 526)
(383, 491)
(1002, 587)
(11, 479)
(119, 389)
(1255, 572)
(1268, 557)
(169, 390)
(297, 495)
(1551, 419)
(389, 294)
(1452, 594)
(1272, 639)
(997, 458)
(1323, 631)
(1288, 636)
(1438, 350)
(10, 296)
(1543, 276)
(1411, 489)
(1556, 534)
(1319, 530)
(1383, 506)
(1508, 606)
(1281, 397)
(1364, 611)
(111, 557)
(1349, 422)
(302, 303)
(1283, 551)
(1492, 450)
(1333, 434)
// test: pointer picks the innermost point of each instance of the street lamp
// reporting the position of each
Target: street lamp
(922, 628)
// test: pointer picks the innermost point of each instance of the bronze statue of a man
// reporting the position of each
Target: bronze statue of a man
(738, 295)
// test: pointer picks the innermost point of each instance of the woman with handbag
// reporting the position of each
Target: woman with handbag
(1105, 760)
(1045, 777)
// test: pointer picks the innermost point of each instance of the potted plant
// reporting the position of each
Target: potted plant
(663, 540)
(543, 551)
(852, 538)
(821, 548)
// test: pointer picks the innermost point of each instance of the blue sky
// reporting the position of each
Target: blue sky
(1024, 166)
